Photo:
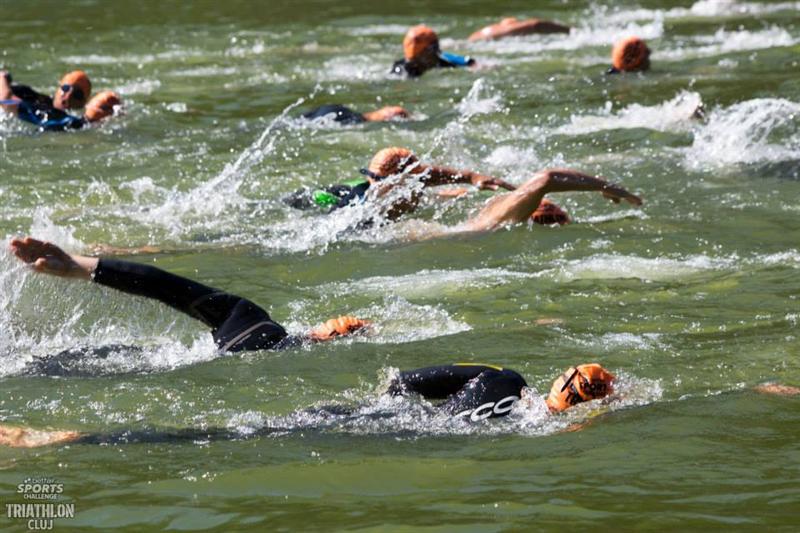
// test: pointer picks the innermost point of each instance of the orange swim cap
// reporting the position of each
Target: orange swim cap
(549, 213)
(101, 106)
(391, 161)
(81, 88)
(580, 384)
(630, 54)
(338, 327)
(418, 40)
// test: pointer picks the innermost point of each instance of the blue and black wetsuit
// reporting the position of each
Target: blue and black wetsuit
(341, 114)
(469, 390)
(38, 109)
(404, 67)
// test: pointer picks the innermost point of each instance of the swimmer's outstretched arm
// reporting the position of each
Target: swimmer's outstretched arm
(518, 206)
(436, 176)
(16, 437)
(211, 306)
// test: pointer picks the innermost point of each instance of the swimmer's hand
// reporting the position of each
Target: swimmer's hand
(6, 76)
(488, 183)
(48, 258)
(30, 438)
(615, 193)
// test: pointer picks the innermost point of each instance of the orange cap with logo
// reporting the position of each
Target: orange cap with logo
(580, 384)
(549, 213)
(418, 39)
(338, 327)
(101, 106)
(630, 54)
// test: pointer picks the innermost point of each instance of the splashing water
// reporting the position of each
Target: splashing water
(742, 133)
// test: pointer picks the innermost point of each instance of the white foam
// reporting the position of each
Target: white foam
(139, 87)
(379, 29)
(430, 283)
(725, 42)
(744, 133)
(612, 266)
(671, 115)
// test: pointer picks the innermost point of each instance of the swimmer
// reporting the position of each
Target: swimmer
(385, 163)
(345, 115)
(511, 27)
(468, 391)
(50, 114)
(629, 55)
(421, 53)
(520, 205)
(236, 323)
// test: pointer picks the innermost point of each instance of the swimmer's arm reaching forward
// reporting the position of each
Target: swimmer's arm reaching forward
(436, 176)
(236, 322)
(518, 206)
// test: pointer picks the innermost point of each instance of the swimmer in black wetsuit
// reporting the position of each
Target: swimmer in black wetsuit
(345, 115)
(50, 114)
(236, 323)
(421, 53)
(470, 391)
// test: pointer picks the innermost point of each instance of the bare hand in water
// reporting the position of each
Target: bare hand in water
(615, 193)
(48, 258)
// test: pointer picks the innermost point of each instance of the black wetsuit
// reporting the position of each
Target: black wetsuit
(342, 114)
(469, 390)
(236, 323)
(403, 67)
(38, 109)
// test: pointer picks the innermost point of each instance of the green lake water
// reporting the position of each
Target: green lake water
(691, 299)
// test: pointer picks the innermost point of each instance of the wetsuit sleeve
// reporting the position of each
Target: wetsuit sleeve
(27, 94)
(342, 114)
(237, 323)
(436, 382)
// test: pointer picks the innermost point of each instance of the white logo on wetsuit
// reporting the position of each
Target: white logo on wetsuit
(486, 410)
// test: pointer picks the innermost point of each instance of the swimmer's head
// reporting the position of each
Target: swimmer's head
(338, 327)
(102, 106)
(580, 384)
(549, 213)
(630, 55)
(386, 113)
(390, 161)
(421, 44)
(73, 91)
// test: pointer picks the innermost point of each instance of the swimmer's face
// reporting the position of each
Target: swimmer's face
(580, 384)
(73, 91)
(68, 97)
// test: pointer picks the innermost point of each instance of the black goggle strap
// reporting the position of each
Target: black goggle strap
(369, 173)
